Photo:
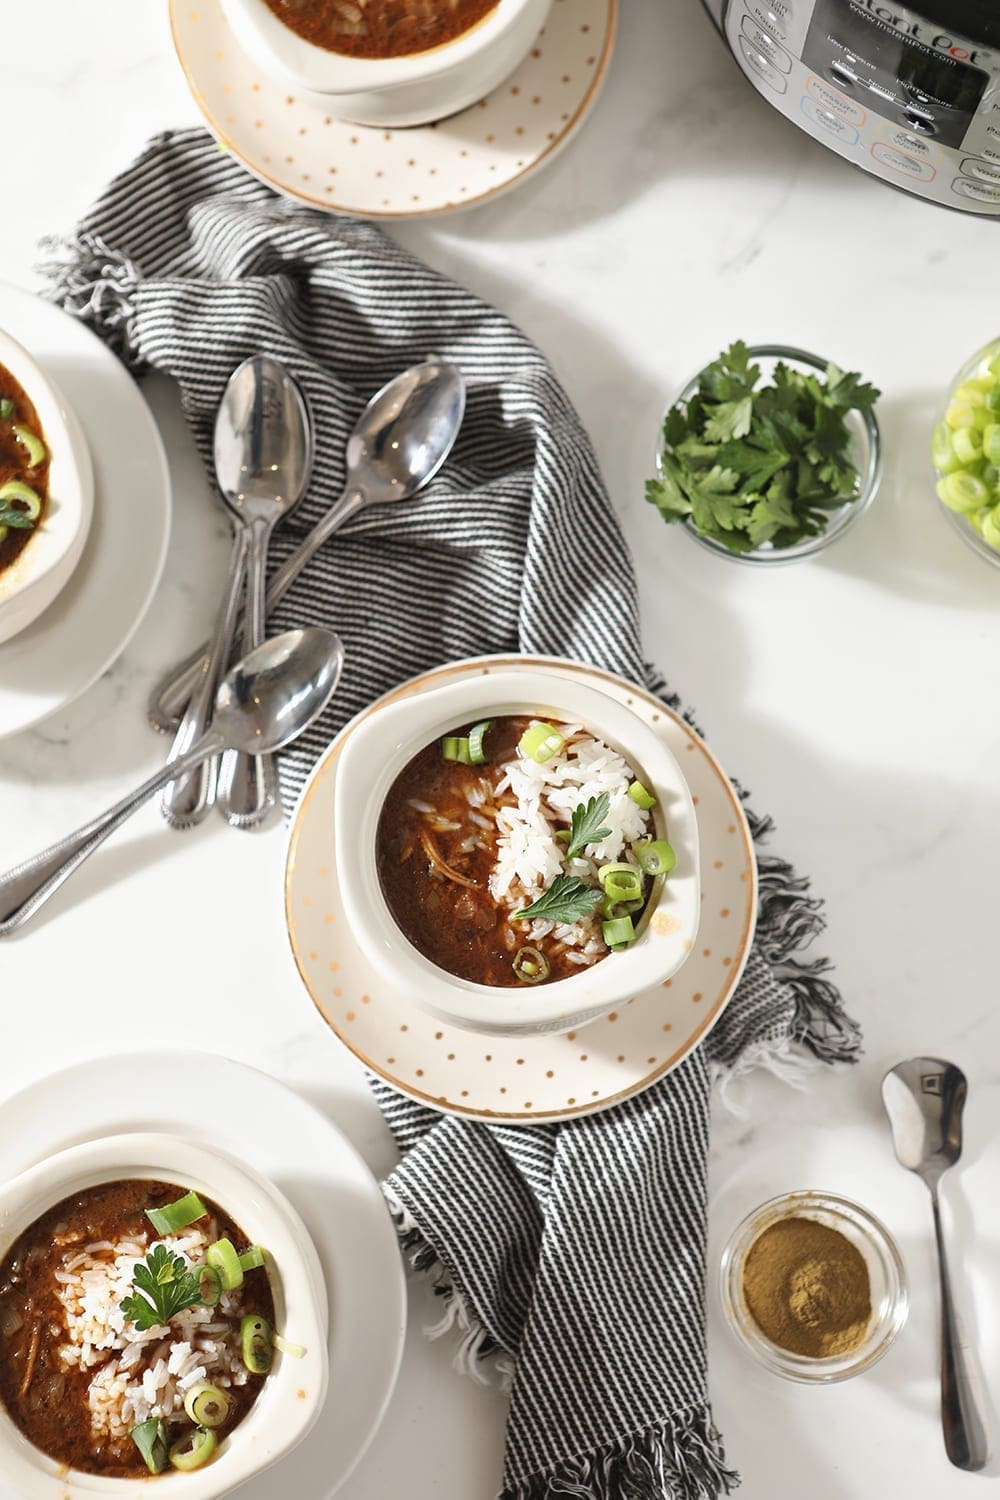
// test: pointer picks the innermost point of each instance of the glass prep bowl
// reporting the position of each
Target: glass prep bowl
(959, 523)
(866, 454)
(889, 1297)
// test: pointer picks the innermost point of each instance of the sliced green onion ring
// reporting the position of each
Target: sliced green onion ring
(193, 1449)
(209, 1285)
(256, 1343)
(206, 1404)
(531, 966)
(641, 797)
(222, 1257)
(477, 755)
(252, 1259)
(620, 882)
(540, 742)
(655, 855)
(618, 933)
(16, 489)
(294, 1351)
(611, 908)
(177, 1215)
(150, 1437)
(960, 491)
(456, 747)
(6, 408)
(36, 449)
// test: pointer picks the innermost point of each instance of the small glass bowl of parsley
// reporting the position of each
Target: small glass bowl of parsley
(768, 454)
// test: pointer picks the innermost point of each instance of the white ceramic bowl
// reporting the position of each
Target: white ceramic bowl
(45, 565)
(380, 746)
(395, 91)
(281, 1417)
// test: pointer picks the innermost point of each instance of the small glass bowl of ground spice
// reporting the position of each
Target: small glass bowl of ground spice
(814, 1286)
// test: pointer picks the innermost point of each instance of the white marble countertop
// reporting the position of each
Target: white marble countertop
(856, 695)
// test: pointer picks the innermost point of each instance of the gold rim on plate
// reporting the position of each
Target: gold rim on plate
(361, 1013)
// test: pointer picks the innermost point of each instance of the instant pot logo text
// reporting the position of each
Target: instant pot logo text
(918, 30)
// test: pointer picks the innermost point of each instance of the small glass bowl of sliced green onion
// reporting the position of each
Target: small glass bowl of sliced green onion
(965, 451)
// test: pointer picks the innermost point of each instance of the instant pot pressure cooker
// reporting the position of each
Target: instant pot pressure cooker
(912, 96)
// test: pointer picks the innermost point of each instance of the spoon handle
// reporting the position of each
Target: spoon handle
(248, 784)
(965, 1438)
(186, 800)
(168, 698)
(29, 885)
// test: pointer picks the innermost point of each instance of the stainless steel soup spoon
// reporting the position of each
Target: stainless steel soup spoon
(263, 703)
(924, 1099)
(402, 438)
(263, 450)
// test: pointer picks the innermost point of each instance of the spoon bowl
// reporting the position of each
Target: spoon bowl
(262, 444)
(278, 689)
(406, 432)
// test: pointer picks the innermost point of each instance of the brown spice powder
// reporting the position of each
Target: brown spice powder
(807, 1288)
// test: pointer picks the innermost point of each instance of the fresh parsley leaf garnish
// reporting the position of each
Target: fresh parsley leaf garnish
(752, 464)
(168, 1286)
(19, 519)
(586, 825)
(567, 899)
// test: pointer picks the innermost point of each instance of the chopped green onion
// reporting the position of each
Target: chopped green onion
(618, 933)
(37, 451)
(3, 533)
(294, 1351)
(991, 443)
(150, 1437)
(456, 747)
(943, 455)
(967, 445)
(962, 492)
(16, 489)
(177, 1215)
(540, 742)
(611, 908)
(655, 855)
(531, 966)
(6, 408)
(477, 755)
(256, 1344)
(639, 795)
(252, 1259)
(222, 1258)
(209, 1285)
(193, 1449)
(206, 1405)
(620, 882)
(990, 529)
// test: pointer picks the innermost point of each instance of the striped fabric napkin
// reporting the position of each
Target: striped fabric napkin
(572, 1256)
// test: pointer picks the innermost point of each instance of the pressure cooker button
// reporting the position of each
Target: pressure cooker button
(843, 76)
(769, 17)
(905, 166)
(828, 120)
(763, 68)
(920, 120)
(986, 171)
(980, 192)
(766, 45)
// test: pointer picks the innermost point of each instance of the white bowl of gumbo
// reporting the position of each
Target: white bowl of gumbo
(141, 1320)
(525, 856)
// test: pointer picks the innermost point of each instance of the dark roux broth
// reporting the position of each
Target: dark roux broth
(457, 924)
(48, 1403)
(14, 464)
(380, 28)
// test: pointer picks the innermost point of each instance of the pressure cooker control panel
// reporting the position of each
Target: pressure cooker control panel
(883, 87)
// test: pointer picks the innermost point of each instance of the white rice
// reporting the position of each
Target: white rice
(529, 856)
(139, 1374)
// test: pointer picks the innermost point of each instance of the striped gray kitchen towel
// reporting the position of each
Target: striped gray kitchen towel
(573, 1255)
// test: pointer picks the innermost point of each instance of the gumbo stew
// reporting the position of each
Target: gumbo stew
(380, 28)
(24, 469)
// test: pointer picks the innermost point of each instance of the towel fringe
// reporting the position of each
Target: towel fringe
(679, 1459)
(96, 284)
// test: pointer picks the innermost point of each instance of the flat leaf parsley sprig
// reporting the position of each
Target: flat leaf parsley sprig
(754, 464)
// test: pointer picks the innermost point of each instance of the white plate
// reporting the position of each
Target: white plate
(305, 1155)
(95, 615)
(540, 1077)
(299, 147)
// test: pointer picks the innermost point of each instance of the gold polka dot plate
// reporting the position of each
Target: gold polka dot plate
(299, 147)
(541, 1077)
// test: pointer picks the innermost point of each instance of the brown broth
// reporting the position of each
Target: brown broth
(457, 924)
(29, 1364)
(13, 462)
(380, 28)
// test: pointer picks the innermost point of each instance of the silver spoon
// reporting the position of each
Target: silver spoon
(402, 438)
(263, 703)
(280, 439)
(924, 1099)
(264, 443)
